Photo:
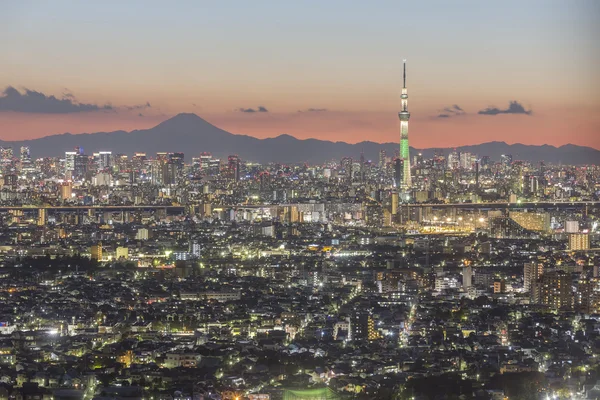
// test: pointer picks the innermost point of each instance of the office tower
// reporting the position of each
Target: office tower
(381, 159)
(25, 155)
(214, 167)
(169, 173)
(362, 166)
(66, 191)
(404, 116)
(398, 172)
(555, 290)
(6, 154)
(70, 161)
(104, 160)
(138, 161)
(96, 252)
(533, 184)
(196, 164)
(506, 160)
(454, 160)
(465, 161)
(394, 203)
(467, 277)
(195, 248)
(531, 274)
(485, 162)
(572, 227)
(80, 165)
(178, 160)
(362, 327)
(579, 241)
(41, 220)
(205, 161)
(346, 167)
(234, 165)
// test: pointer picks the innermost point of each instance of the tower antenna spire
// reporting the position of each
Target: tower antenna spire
(404, 72)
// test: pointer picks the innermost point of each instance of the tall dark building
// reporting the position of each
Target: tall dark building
(80, 166)
(169, 173)
(234, 167)
(178, 160)
(398, 172)
(346, 166)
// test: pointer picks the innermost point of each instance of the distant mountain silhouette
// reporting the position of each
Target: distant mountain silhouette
(190, 134)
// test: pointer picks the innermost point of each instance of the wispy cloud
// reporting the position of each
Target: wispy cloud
(259, 109)
(513, 108)
(139, 106)
(451, 111)
(314, 110)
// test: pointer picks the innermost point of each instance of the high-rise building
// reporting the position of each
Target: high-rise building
(467, 277)
(465, 161)
(394, 210)
(506, 160)
(346, 167)
(579, 241)
(41, 221)
(555, 290)
(169, 173)
(25, 155)
(80, 165)
(381, 159)
(178, 159)
(70, 161)
(572, 227)
(96, 252)
(6, 154)
(205, 161)
(66, 191)
(531, 273)
(104, 160)
(214, 166)
(398, 172)
(362, 327)
(404, 116)
(234, 167)
(453, 160)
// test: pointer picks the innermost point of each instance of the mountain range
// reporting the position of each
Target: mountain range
(190, 134)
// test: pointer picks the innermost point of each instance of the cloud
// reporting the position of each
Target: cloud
(68, 95)
(31, 101)
(314, 110)
(513, 108)
(259, 109)
(139, 106)
(451, 111)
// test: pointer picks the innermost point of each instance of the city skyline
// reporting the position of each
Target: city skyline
(528, 81)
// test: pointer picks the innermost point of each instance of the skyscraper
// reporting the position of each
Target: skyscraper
(404, 115)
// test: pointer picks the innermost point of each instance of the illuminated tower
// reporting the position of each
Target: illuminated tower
(404, 115)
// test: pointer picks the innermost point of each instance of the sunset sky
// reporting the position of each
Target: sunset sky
(478, 71)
